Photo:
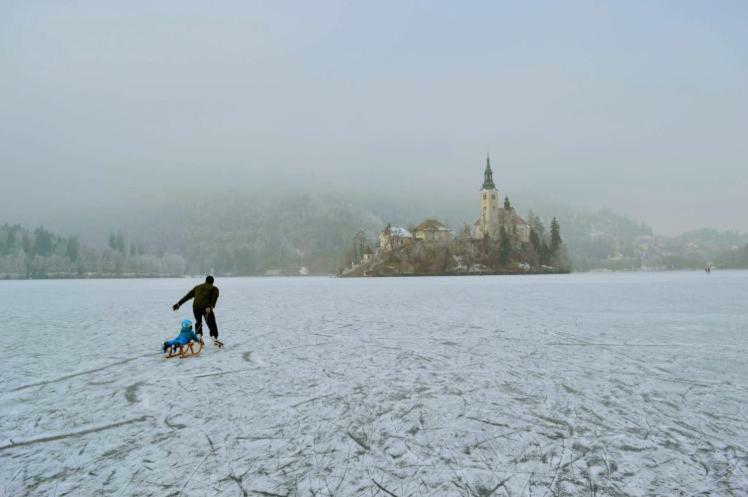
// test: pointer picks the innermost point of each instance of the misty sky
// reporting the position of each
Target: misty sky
(638, 106)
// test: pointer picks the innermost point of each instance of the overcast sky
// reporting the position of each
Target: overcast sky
(637, 106)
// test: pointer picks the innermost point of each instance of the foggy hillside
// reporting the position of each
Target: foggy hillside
(245, 235)
(284, 231)
(288, 232)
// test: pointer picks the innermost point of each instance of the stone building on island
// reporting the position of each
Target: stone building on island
(432, 230)
(496, 219)
(492, 221)
(393, 238)
(499, 241)
(493, 218)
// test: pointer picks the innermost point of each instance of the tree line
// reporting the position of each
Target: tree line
(40, 253)
(546, 248)
(733, 259)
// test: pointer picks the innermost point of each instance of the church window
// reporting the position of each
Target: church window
(484, 196)
(493, 196)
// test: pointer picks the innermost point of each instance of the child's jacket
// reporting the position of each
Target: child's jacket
(185, 336)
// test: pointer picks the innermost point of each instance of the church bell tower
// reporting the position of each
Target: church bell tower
(488, 223)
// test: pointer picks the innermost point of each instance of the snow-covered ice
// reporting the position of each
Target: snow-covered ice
(582, 384)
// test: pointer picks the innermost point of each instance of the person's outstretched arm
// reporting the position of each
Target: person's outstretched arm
(184, 299)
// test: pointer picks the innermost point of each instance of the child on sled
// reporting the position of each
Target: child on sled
(185, 337)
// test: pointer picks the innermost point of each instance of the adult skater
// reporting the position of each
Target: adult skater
(205, 297)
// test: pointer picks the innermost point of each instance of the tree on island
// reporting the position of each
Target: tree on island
(465, 233)
(505, 246)
(555, 236)
(536, 224)
(536, 244)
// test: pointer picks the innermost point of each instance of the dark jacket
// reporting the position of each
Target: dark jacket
(205, 295)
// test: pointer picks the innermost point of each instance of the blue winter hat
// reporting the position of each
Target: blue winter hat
(186, 323)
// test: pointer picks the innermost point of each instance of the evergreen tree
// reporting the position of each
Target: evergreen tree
(28, 247)
(545, 252)
(43, 241)
(535, 241)
(507, 205)
(536, 224)
(11, 243)
(446, 259)
(119, 263)
(72, 248)
(505, 246)
(4, 238)
(120, 243)
(555, 236)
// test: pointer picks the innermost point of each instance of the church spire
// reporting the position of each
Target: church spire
(488, 176)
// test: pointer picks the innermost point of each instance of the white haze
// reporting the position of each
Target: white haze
(638, 107)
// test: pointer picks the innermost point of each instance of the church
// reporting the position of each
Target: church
(493, 218)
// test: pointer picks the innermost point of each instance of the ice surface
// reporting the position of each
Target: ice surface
(583, 384)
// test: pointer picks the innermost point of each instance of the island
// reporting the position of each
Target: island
(498, 242)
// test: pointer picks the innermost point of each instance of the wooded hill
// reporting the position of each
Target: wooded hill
(282, 233)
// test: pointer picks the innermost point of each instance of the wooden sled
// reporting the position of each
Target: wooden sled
(189, 350)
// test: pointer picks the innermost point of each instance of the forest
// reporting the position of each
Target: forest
(296, 233)
(43, 254)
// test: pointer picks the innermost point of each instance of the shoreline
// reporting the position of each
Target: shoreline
(332, 275)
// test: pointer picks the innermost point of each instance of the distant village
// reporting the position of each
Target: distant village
(499, 241)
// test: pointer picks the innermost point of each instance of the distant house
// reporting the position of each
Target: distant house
(432, 230)
(392, 238)
(368, 254)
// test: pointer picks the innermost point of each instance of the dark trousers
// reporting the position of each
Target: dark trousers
(209, 318)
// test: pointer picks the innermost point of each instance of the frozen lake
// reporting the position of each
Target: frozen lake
(582, 384)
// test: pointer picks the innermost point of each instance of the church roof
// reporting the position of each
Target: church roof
(520, 221)
(431, 225)
(511, 212)
(502, 212)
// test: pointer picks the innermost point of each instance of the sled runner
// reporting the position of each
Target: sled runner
(182, 351)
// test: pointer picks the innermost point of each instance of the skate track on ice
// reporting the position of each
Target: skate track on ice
(631, 384)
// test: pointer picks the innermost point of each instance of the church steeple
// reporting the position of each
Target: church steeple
(488, 176)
